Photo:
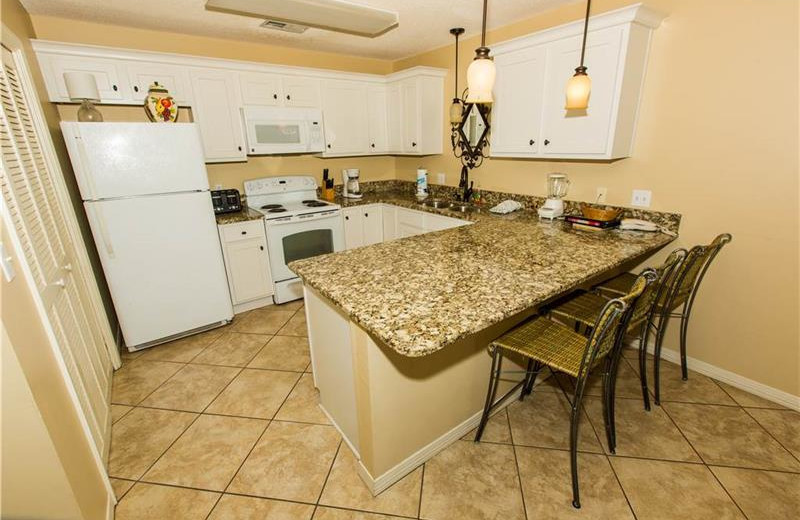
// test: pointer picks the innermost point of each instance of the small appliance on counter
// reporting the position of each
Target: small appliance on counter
(350, 187)
(553, 207)
(226, 201)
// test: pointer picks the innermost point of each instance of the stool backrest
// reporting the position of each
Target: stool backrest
(668, 273)
(693, 269)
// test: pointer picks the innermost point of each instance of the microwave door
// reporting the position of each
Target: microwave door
(277, 137)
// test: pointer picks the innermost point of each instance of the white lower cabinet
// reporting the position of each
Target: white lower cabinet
(244, 247)
(389, 217)
(363, 225)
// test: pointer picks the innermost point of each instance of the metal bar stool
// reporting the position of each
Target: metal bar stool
(584, 309)
(682, 292)
(548, 343)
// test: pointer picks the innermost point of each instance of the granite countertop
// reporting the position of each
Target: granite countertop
(240, 216)
(422, 293)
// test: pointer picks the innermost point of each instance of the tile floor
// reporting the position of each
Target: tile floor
(224, 425)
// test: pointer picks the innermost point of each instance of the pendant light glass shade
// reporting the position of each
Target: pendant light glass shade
(456, 111)
(579, 87)
(480, 78)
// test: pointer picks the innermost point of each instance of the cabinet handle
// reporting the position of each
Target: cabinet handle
(136, 88)
(531, 142)
(244, 232)
(114, 87)
(274, 96)
(546, 142)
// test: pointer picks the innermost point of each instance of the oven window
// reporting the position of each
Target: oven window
(277, 134)
(307, 244)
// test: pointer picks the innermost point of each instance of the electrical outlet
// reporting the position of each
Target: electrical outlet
(218, 186)
(601, 194)
(641, 198)
(440, 178)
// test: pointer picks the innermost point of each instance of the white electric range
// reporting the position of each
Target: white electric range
(298, 225)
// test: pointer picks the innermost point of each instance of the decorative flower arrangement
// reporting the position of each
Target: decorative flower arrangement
(159, 105)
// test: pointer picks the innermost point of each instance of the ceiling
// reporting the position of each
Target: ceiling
(424, 24)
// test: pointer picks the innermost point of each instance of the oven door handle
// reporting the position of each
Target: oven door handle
(304, 218)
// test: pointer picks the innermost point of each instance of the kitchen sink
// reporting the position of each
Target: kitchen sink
(463, 207)
(436, 203)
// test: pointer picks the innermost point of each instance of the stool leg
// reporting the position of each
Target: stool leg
(663, 321)
(537, 367)
(684, 328)
(643, 335)
(494, 379)
(528, 375)
(573, 441)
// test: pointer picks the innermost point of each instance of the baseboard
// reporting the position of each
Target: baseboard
(344, 437)
(720, 374)
(110, 506)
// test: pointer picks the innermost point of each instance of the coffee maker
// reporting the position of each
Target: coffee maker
(350, 188)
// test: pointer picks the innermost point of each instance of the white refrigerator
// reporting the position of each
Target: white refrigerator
(145, 190)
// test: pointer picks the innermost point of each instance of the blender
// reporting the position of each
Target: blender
(553, 207)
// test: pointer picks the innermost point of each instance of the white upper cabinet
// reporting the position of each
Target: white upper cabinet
(261, 89)
(301, 92)
(415, 115)
(110, 75)
(377, 113)
(394, 118)
(529, 118)
(216, 110)
(345, 116)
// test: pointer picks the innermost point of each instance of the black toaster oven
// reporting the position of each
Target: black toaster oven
(226, 201)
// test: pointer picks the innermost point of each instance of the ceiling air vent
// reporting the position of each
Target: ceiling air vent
(283, 26)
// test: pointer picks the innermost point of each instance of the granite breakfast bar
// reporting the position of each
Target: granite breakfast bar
(398, 330)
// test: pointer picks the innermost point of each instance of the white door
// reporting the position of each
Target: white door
(36, 217)
(582, 132)
(127, 159)
(377, 112)
(301, 92)
(110, 77)
(248, 269)
(345, 114)
(174, 78)
(217, 105)
(353, 228)
(394, 118)
(372, 224)
(410, 97)
(261, 89)
(163, 262)
(517, 110)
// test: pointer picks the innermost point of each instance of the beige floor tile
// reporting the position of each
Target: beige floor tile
(628, 384)
(191, 389)
(328, 513)
(302, 405)
(139, 438)
(289, 462)
(762, 495)
(475, 481)
(295, 326)
(262, 321)
(138, 378)
(284, 353)
(234, 507)
(727, 436)
(233, 349)
(345, 488)
(542, 420)
(697, 389)
(295, 305)
(650, 435)
(547, 486)
(208, 454)
(496, 430)
(120, 486)
(151, 502)
(118, 411)
(747, 399)
(127, 355)
(185, 349)
(255, 393)
(784, 425)
(666, 490)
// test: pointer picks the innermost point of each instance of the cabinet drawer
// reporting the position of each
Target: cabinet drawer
(242, 231)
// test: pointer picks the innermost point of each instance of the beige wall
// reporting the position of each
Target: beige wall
(718, 142)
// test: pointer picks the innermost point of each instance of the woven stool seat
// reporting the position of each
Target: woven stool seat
(547, 342)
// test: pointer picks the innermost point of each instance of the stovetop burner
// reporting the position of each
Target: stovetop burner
(271, 206)
(314, 203)
(276, 210)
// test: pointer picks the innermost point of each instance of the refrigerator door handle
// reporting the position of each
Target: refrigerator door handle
(102, 229)
(85, 169)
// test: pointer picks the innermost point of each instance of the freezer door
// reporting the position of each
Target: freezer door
(130, 159)
(163, 262)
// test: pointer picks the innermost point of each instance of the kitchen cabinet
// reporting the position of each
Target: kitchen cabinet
(216, 110)
(389, 217)
(301, 92)
(529, 118)
(394, 118)
(410, 222)
(175, 79)
(415, 126)
(345, 118)
(363, 225)
(376, 119)
(244, 248)
(110, 75)
(261, 89)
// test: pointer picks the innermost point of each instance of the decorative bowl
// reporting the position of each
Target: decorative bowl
(601, 214)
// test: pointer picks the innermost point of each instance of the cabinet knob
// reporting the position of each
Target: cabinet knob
(531, 142)
(346, 217)
(261, 247)
(136, 88)
(413, 144)
(244, 232)
(274, 96)
(329, 146)
(366, 214)
(240, 148)
(373, 145)
(114, 87)
(546, 142)
(289, 97)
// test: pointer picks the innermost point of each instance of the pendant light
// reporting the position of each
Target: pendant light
(579, 86)
(457, 107)
(481, 72)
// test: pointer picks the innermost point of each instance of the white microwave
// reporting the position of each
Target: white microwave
(280, 130)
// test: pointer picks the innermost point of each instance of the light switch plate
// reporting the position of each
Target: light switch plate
(641, 198)
(440, 178)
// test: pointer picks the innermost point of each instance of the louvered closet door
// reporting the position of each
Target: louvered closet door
(40, 225)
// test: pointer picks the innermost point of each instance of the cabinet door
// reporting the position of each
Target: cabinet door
(389, 218)
(216, 110)
(261, 89)
(248, 269)
(410, 223)
(353, 227)
(582, 132)
(345, 115)
(175, 79)
(410, 116)
(394, 118)
(517, 110)
(376, 116)
(301, 92)
(111, 82)
(372, 224)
